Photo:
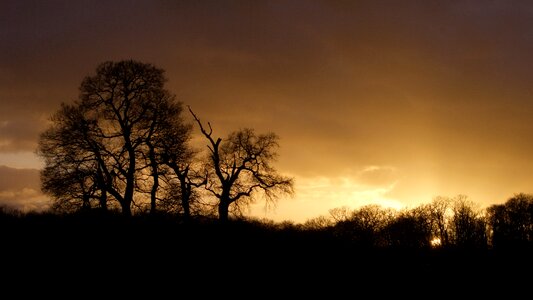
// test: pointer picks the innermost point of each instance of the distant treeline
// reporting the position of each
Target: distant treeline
(446, 241)
(444, 223)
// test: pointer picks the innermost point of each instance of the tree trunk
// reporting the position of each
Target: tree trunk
(103, 201)
(155, 176)
(128, 199)
(86, 204)
(130, 182)
(186, 190)
(126, 208)
(186, 205)
(153, 197)
(102, 186)
(223, 211)
(185, 197)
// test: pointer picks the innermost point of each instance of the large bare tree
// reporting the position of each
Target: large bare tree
(239, 168)
(118, 119)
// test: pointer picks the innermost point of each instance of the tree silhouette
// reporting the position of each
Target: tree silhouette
(114, 126)
(239, 168)
(167, 148)
(512, 222)
(439, 211)
(318, 223)
(340, 213)
(71, 175)
(468, 225)
(410, 229)
(364, 228)
(170, 145)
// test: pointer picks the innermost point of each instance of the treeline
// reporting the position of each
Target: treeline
(443, 223)
(448, 240)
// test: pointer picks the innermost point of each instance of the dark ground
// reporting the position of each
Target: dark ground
(149, 256)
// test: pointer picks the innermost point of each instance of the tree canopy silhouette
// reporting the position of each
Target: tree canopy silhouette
(108, 142)
(512, 222)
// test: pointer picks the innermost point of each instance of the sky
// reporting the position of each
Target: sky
(375, 102)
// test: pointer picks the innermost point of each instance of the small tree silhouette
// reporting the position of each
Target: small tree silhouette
(239, 168)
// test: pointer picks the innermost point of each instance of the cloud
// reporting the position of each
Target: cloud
(21, 160)
(20, 189)
(20, 134)
(377, 175)
(315, 195)
(16, 179)
(25, 199)
(345, 191)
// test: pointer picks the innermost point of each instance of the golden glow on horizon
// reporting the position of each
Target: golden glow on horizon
(28, 199)
(316, 195)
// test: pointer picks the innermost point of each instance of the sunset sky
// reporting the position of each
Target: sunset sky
(376, 102)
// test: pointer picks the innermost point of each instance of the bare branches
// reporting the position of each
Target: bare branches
(207, 134)
(239, 167)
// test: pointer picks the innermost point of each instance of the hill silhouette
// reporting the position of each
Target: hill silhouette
(162, 248)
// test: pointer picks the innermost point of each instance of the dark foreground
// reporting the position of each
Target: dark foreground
(158, 255)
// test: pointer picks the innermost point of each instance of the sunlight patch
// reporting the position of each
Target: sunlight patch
(25, 199)
(315, 196)
(436, 242)
(344, 191)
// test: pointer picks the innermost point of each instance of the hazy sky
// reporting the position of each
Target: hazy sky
(387, 102)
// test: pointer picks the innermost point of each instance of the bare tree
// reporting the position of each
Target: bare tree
(170, 145)
(340, 214)
(318, 223)
(166, 144)
(440, 211)
(239, 168)
(467, 224)
(118, 120)
(123, 98)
